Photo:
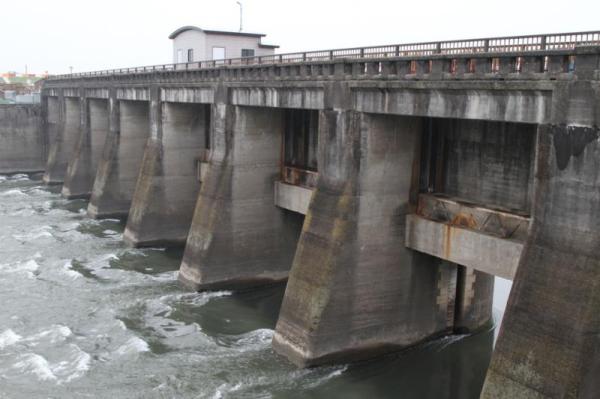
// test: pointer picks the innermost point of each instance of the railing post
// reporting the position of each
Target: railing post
(331, 55)
(543, 43)
(486, 45)
(362, 53)
(303, 56)
(397, 51)
(438, 48)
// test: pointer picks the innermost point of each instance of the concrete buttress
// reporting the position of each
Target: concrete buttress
(119, 166)
(83, 163)
(63, 143)
(167, 185)
(354, 289)
(238, 236)
(549, 345)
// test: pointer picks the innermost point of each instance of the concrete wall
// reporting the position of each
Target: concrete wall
(119, 166)
(490, 163)
(23, 144)
(167, 186)
(81, 171)
(239, 237)
(63, 145)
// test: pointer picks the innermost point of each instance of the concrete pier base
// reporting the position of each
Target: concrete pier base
(167, 186)
(355, 291)
(119, 167)
(63, 144)
(81, 170)
(549, 344)
(239, 238)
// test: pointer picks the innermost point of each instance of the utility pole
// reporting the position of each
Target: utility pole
(240, 4)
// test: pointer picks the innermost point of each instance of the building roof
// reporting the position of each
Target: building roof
(213, 32)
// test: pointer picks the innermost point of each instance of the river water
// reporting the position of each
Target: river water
(83, 316)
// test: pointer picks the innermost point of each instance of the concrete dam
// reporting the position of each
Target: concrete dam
(388, 185)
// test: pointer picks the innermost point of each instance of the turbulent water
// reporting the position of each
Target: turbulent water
(83, 316)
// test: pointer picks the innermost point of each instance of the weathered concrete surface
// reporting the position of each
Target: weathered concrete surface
(354, 290)
(239, 237)
(22, 140)
(83, 164)
(293, 198)
(474, 300)
(119, 167)
(488, 162)
(548, 345)
(167, 186)
(487, 253)
(63, 144)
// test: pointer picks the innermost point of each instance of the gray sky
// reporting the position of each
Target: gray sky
(51, 35)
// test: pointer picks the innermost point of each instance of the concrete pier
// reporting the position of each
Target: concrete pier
(62, 147)
(548, 344)
(350, 292)
(83, 163)
(119, 166)
(167, 186)
(239, 237)
(23, 141)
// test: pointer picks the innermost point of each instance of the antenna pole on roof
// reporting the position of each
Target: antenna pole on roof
(240, 4)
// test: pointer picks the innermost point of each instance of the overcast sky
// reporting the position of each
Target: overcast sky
(51, 35)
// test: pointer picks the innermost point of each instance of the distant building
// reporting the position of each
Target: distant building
(191, 43)
(20, 88)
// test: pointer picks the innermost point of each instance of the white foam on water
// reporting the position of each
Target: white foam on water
(194, 298)
(254, 340)
(35, 364)
(54, 334)
(77, 364)
(35, 234)
(28, 268)
(133, 346)
(8, 338)
(13, 193)
(226, 388)
(68, 271)
(336, 371)
(19, 177)
(2, 178)
(37, 192)
(166, 276)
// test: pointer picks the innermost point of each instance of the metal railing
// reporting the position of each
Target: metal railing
(545, 42)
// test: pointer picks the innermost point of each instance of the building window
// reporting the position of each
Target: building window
(218, 53)
(247, 52)
(190, 55)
